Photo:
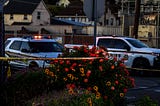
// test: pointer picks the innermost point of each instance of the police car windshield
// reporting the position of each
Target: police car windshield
(45, 47)
(136, 43)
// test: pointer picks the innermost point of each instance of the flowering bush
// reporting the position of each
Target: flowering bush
(98, 73)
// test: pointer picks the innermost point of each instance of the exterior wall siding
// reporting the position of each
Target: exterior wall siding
(44, 18)
(16, 18)
(56, 29)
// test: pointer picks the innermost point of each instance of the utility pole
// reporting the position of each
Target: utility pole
(157, 41)
(2, 49)
(94, 13)
(136, 19)
(94, 9)
(122, 15)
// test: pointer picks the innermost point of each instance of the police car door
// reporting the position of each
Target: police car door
(116, 47)
(14, 51)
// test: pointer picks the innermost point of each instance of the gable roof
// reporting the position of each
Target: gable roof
(55, 21)
(21, 23)
(21, 6)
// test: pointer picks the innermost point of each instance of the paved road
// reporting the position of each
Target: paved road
(149, 86)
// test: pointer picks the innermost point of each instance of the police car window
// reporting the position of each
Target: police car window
(120, 44)
(7, 42)
(136, 43)
(107, 43)
(45, 47)
(25, 46)
(16, 45)
(57, 47)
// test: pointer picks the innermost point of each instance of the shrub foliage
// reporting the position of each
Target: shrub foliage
(93, 70)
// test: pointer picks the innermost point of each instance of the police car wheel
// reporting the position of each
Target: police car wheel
(140, 64)
(33, 67)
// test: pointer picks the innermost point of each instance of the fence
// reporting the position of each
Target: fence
(151, 41)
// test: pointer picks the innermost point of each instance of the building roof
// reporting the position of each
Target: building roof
(21, 6)
(55, 21)
(21, 23)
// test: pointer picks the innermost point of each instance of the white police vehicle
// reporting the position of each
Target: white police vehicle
(136, 53)
(31, 47)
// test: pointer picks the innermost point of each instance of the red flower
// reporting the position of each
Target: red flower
(73, 86)
(67, 62)
(115, 59)
(100, 68)
(84, 60)
(66, 69)
(112, 67)
(88, 73)
(116, 82)
(106, 59)
(101, 60)
(74, 64)
(85, 80)
(113, 88)
(85, 50)
(105, 97)
(61, 62)
(89, 88)
(76, 48)
(125, 90)
(91, 61)
(132, 81)
(70, 86)
(92, 55)
(55, 61)
(121, 65)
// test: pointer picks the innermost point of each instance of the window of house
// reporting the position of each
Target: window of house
(11, 16)
(107, 21)
(111, 21)
(38, 15)
(25, 17)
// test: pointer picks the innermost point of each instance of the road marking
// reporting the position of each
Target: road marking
(157, 90)
(140, 87)
(130, 97)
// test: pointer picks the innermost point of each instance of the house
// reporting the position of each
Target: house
(105, 25)
(26, 12)
(74, 12)
(32, 17)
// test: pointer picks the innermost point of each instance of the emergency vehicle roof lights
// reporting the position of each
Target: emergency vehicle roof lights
(37, 37)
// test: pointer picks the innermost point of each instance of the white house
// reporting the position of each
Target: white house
(26, 12)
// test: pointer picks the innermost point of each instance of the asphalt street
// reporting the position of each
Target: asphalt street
(145, 86)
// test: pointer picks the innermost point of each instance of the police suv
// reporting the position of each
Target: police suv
(136, 53)
(31, 47)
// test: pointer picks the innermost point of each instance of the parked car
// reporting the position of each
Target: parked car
(136, 53)
(31, 47)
